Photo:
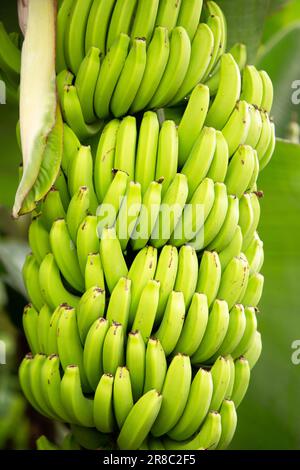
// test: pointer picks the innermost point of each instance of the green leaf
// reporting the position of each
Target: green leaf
(40, 120)
(269, 416)
(245, 23)
(280, 59)
(286, 13)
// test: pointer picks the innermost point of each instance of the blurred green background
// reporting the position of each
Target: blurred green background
(269, 417)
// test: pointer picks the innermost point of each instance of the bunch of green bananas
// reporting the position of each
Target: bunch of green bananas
(136, 331)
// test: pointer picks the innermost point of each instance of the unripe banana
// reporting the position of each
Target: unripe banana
(38, 239)
(113, 349)
(30, 321)
(147, 150)
(228, 424)
(135, 361)
(220, 373)
(42, 327)
(119, 303)
(234, 280)
(178, 378)
(253, 353)
(93, 273)
(77, 211)
(93, 351)
(249, 334)
(147, 309)
(241, 380)
(122, 395)
(103, 405)
(90, 307)
(32, 281)
(113, 262)
(155, 366)
(209, 276)
(187, 274)
(87, 240)
(233, 249)
(167, 155)
(129, 213)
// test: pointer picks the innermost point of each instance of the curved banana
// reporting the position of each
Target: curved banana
(139, 421)
(32, 283)
(71, 146)
(167, 14)
(30, 321)
(201, 50)
(239, 172)
(93, 351)
(144, 21)
(167, 155)
(73, 115)
(255, 254)
(215, 24)
(38, 239)
(148, 215)
(100, 14)
(254, 290)
(156, 63)
(76, 404)
(107, 212)
(135, 361)
(119, 303)
(178, 377)
(194, 326)
(52, 331)
(209, 276)
(229, 226)
(130, 78)
(197, 406)
(70, 349)
(187, 273)
(65, 255)
(189, 16)
(207, 438)
(93, 273)
(122, 395)
(237, 127)
(268, 92)
(24, 379)
(147, 150)
(42, 329)
(105, 156)
(252, 87)
(265, 138)
(86, 81)
(113, 349)
(90, 307)
(77, 211)
(176, 69)
(196, 167)
(80, 173)
(255, 127)
(109, 74)
(214, 220)
(241, 380)
(75, 33)
(192, 121)
(195, 213)
(141, 271)
(113, 262)
(52, 208)
(270, 150)
(249, 334)
(103, 405)
(171, 325)
(129, 213)
(217, 326)
(87, 241)
(233, 249)
(220, 373)
(227, 95)
(235, 332)
(253, 353)
(126, 146)
(146, 310)
(219, 165)
(120, 20)
(234, 280)
(228, 424)
(155, 366)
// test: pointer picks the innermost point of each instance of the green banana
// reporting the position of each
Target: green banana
(32, 282)
(229, 226)
(209, 276)
(170, 328)
(197, 406)
(155, 366)
(100, 13)
(254, 290)
(146, 310)
(249, 334)
(239, 172)
(187, 273)
(253, 353)
(129, 213)
(109, 74)
(139, 421)
(220, 373)
(119, 303)
(126, 146)
(77, 211)
(86, 241)
(156, 63)
(76, 404)
(219, 165)
(113, 262)
(93, 351)
(103, 405)
(268, 92)
(30, 321)
(135, 361)
(130, 78)
(147, 150)
(86, 81)
(120, 21)
(217, 326)
(144, 21)
(93, 274)
(65, 255)
(189, 16)
(104, 162)
(167, 155)
(90, 307)
(228, 424)
(38, 239)
(113, 346)
(194, 326)
(234, 280)
(42, 326)
(235, 332)
(233, 249)
(122, 395)
(241, 380)
(178, 378)
(237, 127)
(252, 88)
(166, 273)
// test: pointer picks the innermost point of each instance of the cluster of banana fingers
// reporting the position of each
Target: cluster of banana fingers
(144, 277)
